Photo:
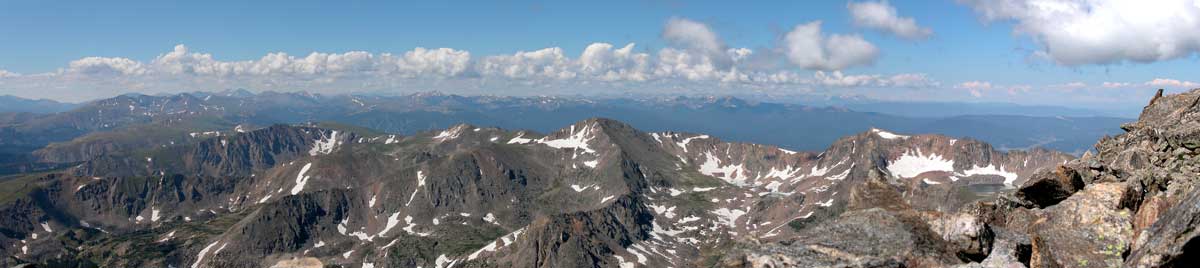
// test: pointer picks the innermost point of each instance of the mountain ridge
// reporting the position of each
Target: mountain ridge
(658, 190)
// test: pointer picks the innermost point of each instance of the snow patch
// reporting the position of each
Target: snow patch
(606, 198)
(420, 183)
(450, 134)
(577, 140)
(580, 189)
(728, 217)
(910, 165)
(592, 164)
(729, 173)
(887, 135)
(203, 252)
(167, 237)
(325, 145)
(392, 221)
(301, 179)
(264, 199)
(990, 169)
(683, 144)
(519, 140)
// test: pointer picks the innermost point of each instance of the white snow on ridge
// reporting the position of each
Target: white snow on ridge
(301, 179)
(990, 169)
(577, 188)
(519, 139)
(789, 173)
(577, 140)
(606, 198)
(730, 173)
(683, 144)
(910, 165)
(264, 199)
(501, 242)
(592, 163)
(927, 181)
(728, 217)
(841, 176)
(203, 252)
(325, 145)
(887, 135)
(450, 134)
(420, 183)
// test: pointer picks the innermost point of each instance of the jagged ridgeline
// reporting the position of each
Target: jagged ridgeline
(599, 193)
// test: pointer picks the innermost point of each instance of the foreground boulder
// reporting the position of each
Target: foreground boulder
(1085, 230)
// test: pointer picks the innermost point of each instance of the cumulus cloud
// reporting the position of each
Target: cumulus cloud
(441, 62)
(837, 79)
(976, 88)
(693, 35)
(6, 73)
(1172, 83)
(600, 60)
(543, 63)
(601, 66)
(807, 47)
(1078, 32)
(883, 16)
(100, 66)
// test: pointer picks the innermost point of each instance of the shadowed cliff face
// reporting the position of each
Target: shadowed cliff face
(597, 193)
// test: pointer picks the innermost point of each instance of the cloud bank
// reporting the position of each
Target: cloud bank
(1080, 32)
(697, 60)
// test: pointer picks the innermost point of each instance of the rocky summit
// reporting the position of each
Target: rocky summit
(600, 193)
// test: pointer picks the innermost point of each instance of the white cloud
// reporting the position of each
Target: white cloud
(6, 73)
(101, 66)
(974, 85)
(547, 63)
(600, 66)
(837, 79)
(1077, 32)
(976, 88)
(600, 60)
(693, 35)
(1070, 86)
(882, 16)
(808, 48)
(1115, 85)
(441, 62)
(1164, 82)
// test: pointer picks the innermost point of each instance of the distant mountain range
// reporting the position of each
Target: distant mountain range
(790, 126)
(14, 104)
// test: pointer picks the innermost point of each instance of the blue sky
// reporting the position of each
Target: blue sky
(975, 50)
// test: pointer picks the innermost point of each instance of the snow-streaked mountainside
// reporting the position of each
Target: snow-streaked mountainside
(596, 193)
